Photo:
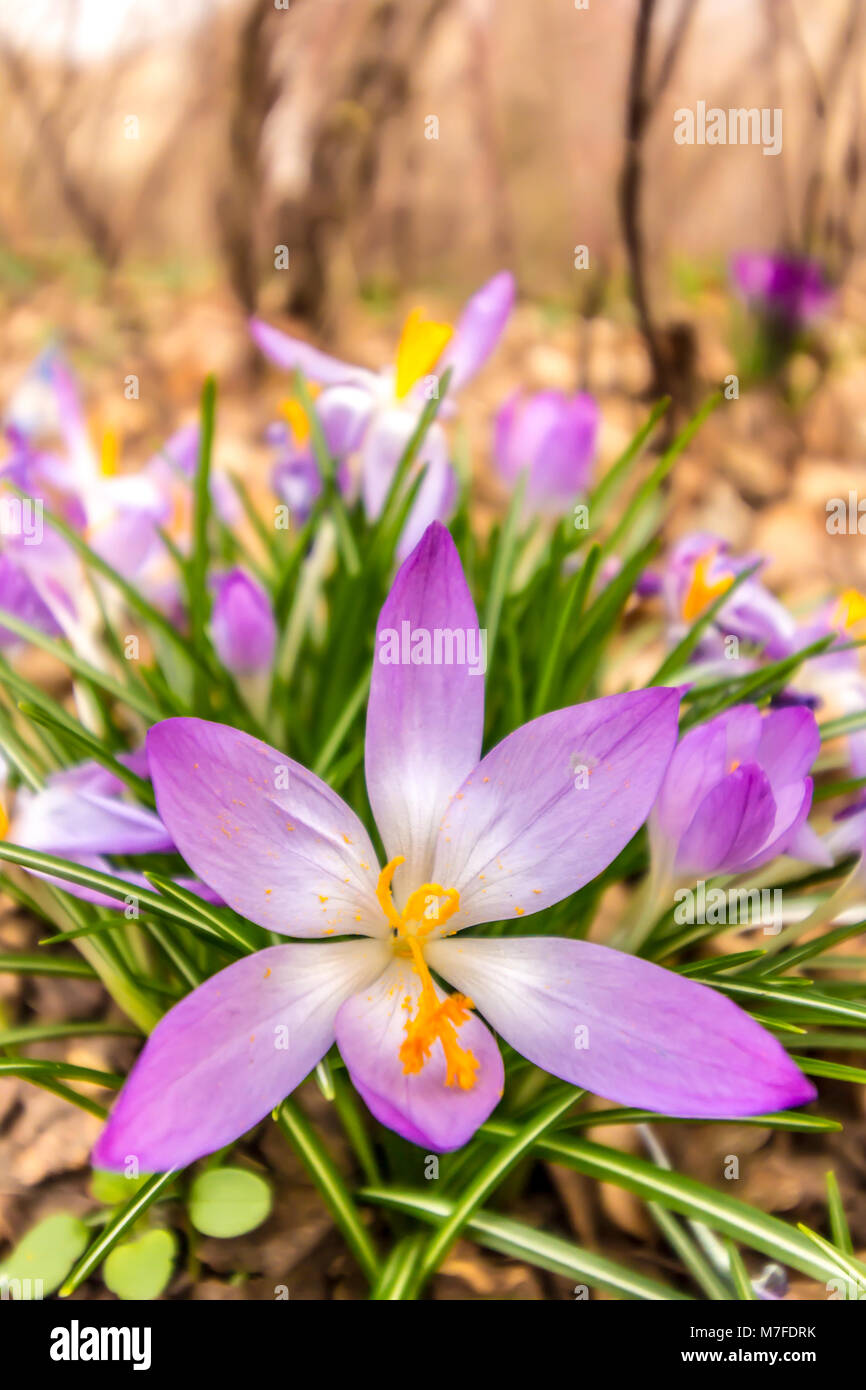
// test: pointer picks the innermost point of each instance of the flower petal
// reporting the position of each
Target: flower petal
(424, 721)
(292, 354)
(731, 824)
(789, 744)
(479, 329)
(60, 820)
(553, 804)
(271, 838)
(622, 1027)
(371, 1026)
(231, 1050)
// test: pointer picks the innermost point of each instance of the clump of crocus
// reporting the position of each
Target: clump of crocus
(787, 288)
(736, 794)
(374, 414)
(554, 437)
(468, 840)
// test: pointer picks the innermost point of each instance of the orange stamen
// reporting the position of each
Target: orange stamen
(702, 590)
(435, 1019)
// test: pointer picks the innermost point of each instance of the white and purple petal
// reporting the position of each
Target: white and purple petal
(230, 1051)
(371, 1027)
(268, 836)
(622, 1027)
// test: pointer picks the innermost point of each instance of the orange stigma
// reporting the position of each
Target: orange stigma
(702, 590)
(435, 1020)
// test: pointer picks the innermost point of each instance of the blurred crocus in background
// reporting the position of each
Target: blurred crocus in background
(789, 289)
(244, 633)
(554, 437)
(374, 414)
(83, 814)
(735, 795)
(699, 569)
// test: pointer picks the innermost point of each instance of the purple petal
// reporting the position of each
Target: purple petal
(20, 597)
(344, 412)
(424, 721)
(230, 1051)
(242, 624)
(653, 1039)
(62, 820)
(792, 806)
(730, 825)
(294, 355)
(555, 438)
(553, 804)
(371, 1026)
(789, 744)
(271, 838)
(479, 329)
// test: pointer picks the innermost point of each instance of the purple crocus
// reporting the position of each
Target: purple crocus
(467, 842)
(736, 794)
(243, 627)
(80, 814)
(552, 435)
(374, 414)
(790, 289)
(701, 568)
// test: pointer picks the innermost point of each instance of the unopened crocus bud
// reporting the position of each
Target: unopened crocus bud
(243, 629)
(552, 435)
(736, 792)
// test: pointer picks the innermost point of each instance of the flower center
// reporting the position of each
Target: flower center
(702, 590)
(435, 1020)
(421, 342)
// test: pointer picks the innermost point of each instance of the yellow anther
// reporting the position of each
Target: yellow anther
(4, 823)
(297, 420)
(850, 609)
(108, 454)
(435, 1020)
(702, 590)
(421, 343)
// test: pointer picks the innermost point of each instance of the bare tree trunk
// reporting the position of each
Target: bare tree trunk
(670, 350)
(88, 216)
(254, 92)
(344, 161)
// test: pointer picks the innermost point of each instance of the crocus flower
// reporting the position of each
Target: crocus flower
(699, 569)
(789, 289)
(80, 814)
(552, 435)
(736, 793)
(242, 623)
(375, 413)
(467, 842)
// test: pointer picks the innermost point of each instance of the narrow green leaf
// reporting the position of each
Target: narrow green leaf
(121, 1223)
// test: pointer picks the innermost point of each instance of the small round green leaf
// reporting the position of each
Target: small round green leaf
(228, 1202)
(113, 1189)
(140, 1269)
(46, 1254)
